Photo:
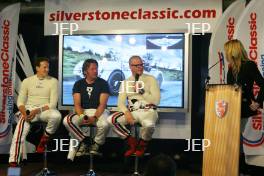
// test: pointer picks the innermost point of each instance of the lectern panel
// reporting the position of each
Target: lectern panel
(222, 128)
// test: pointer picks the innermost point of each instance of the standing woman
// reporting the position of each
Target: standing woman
(245, 73)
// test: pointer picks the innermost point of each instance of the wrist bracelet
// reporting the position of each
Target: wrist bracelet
(81, 116)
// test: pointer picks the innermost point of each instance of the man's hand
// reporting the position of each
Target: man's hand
(92, 120)
(32, 114)
(129, 118)
(83, 119)
(86, 120)
(254, 105)
(24, 117)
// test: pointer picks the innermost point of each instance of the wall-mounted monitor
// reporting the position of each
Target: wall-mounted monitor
(165, 57)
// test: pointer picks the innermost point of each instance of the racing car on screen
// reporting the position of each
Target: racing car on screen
(114, 72)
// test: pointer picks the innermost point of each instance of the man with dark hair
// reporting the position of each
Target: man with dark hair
(39, 60)
(38, 96)
(87, 63)
(143, 94)
(90, 96)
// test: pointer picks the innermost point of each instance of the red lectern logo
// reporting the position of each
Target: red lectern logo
(220, 108)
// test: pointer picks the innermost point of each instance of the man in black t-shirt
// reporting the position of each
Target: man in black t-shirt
(90, 96)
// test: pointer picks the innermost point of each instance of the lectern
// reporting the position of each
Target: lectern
(222, 128)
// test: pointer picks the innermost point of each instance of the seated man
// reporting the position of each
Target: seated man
(90, 96)
(38, 95)
(143, 94)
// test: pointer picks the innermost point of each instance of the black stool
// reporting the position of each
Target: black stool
(45, 171)
(36, 129)
(91, 171)
(136, 132)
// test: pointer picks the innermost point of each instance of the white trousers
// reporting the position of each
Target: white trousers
(146, 117)
(18, 146)
(71, 122)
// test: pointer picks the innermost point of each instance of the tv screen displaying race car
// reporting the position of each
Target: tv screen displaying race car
(163, 56)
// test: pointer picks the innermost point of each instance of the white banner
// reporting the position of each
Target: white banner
(253, 137)
(250, 30)
(223, 32)
(23, 61)
(8, 40)
(90, 16)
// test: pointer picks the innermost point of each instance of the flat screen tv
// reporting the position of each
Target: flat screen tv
(165, 56)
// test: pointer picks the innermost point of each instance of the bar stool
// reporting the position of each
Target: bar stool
(91, 171)
(45, 171)
(136, 161)
(35, 129)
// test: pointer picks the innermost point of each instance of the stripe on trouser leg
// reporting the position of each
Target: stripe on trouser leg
(119, 128)
(74, 130)
(47, 133)
(18, 141)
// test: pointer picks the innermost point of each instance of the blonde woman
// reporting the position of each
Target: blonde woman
(244, 72)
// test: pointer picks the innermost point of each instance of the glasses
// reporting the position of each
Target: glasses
(137, 65)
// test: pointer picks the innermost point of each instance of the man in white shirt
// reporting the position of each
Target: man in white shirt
(143, 94)
(37, 101)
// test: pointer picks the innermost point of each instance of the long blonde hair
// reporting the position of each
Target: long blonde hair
(235, 54)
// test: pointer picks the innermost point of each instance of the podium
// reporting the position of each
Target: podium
(222, 128)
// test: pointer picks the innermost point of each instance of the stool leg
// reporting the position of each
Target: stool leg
(136, 167)
(136, 158)
(91, 155)
(45, 171)
(91, 171)
(91, 162)
(136, 132)
(45, 158)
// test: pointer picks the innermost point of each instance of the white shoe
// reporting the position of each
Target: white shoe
(94, 148)
(72, 153)
(83, 150)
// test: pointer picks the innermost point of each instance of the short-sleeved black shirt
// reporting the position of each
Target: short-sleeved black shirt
(90, 93)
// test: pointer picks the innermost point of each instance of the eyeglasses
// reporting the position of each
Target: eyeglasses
(138, 65)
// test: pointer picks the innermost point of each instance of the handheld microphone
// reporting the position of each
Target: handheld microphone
(136, 77)
(140, 91)
(27, 112)
(85, 117)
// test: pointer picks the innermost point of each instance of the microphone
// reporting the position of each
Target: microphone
(27, 112)
(220, 60)
(140, 91)
(85, 117)
(136, 77)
